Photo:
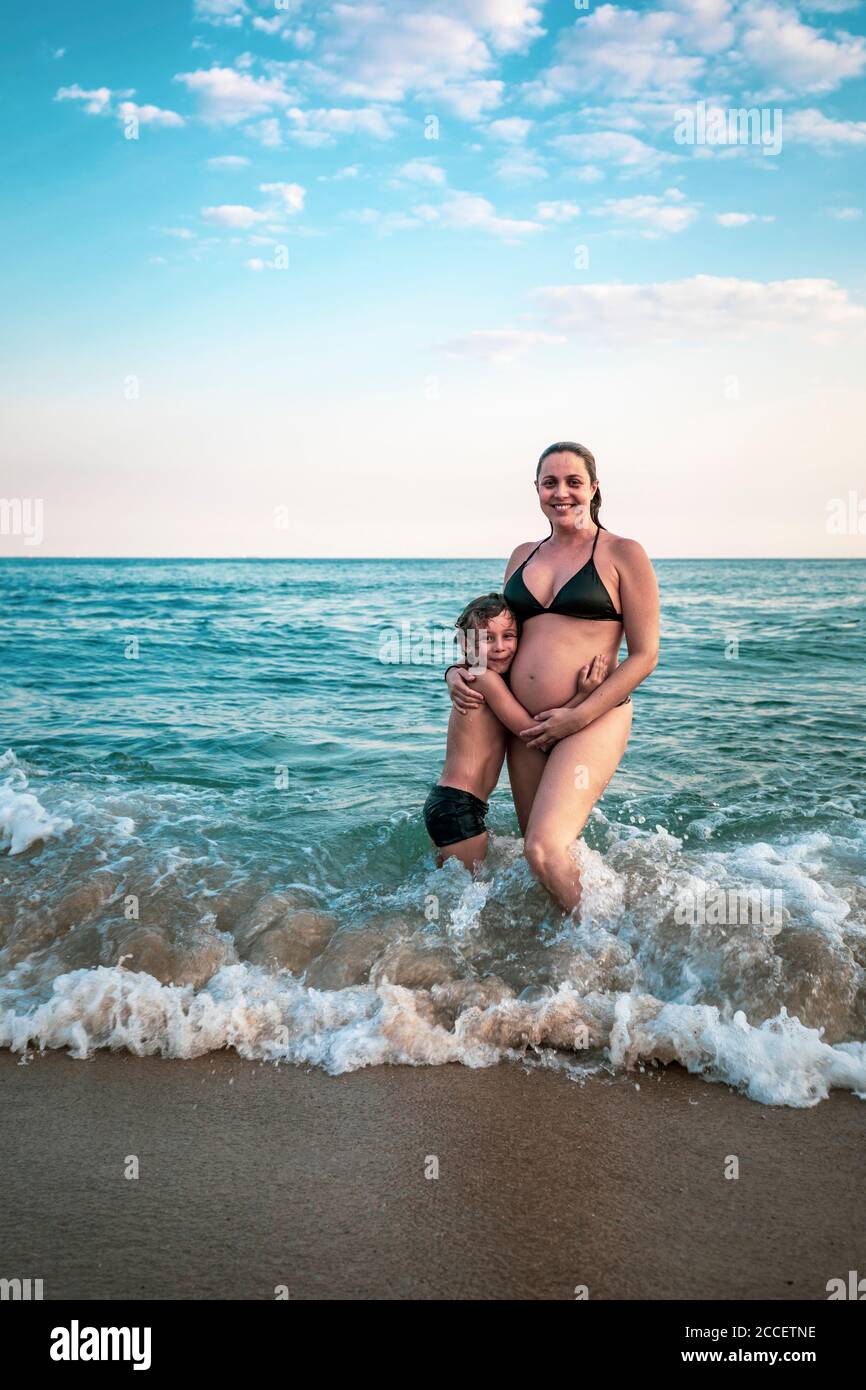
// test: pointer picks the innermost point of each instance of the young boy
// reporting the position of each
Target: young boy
(455, 810)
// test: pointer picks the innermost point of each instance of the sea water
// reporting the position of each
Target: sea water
(211, 775)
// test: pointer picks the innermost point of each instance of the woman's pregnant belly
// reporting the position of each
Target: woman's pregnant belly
(550, 653)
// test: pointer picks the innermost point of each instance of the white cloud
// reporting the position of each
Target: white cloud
(234, 215)
(228, 161)
(521, 166)
(652, 112)
(225, 12)
(537, 93)
(255, 263)
(588, 173)
(704, 24)
(512, 129)
(499, 345)
(386, 222)
(700, 308)
(846, 214)
(611, 147)
(320, 125)
(59, 53)
(349, 171)
(470, 100)
(385, 52)
(669, 213)
(388, 52)
(290, 195)
(300, 35)
(511, 25)
(96, 101)
(149, 115)
(793, 54)
(665, 50)
(271, 26)
(557, 211)
(422, 171)
(268, 132)
(472, 213)
(740, 219)
(626, 51)
(226, 96)
(811, 127)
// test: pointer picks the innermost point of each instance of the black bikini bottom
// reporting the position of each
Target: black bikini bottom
(452, 815)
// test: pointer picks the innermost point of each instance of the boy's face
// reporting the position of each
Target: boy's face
(493, 646)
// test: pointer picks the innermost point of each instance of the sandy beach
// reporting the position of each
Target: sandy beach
(253, 1176)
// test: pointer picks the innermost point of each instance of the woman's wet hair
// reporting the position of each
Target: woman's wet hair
(567, 447)
(479, 612)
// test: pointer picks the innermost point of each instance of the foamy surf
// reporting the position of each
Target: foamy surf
(23, 820)
(128, 921)
(270, 1018)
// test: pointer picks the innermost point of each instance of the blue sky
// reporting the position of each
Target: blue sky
(241, 282)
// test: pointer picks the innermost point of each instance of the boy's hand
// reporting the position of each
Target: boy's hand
(463, 697)
(591, 676)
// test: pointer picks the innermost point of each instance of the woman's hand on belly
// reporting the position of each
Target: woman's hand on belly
(550, 726)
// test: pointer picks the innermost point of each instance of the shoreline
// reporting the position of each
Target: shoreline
(253, 1175)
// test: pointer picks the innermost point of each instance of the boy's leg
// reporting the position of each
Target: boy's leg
(469, 852)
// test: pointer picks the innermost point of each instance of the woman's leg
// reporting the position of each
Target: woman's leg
(577, 771)
(525, 768)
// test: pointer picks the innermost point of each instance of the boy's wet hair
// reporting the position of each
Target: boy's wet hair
(479, 612)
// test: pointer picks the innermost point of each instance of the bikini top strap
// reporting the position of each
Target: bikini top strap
(595, 542)
(532, 552)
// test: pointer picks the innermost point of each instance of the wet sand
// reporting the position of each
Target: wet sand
(254, 1176)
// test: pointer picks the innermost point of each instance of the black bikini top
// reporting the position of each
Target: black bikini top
(581, 596)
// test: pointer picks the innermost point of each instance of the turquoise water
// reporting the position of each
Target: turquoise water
(257, 761)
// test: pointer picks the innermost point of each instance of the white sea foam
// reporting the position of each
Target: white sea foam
(464, 917)
(275, 1017)
(23, 820)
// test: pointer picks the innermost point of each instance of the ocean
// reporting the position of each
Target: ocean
(211, 775)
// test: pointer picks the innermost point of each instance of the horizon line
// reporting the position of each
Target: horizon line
(346, 559)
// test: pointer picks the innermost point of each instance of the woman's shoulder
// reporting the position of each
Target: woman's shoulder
(520, 552)
(623, 551)
(518, 555)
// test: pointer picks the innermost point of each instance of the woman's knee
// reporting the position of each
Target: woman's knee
(542, 853)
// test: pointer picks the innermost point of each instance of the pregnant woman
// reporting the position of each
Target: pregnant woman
(575, 593)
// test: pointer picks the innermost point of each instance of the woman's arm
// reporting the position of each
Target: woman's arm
(464, 697)
(639, 601)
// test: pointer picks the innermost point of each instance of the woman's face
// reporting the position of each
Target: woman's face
(565, 491)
